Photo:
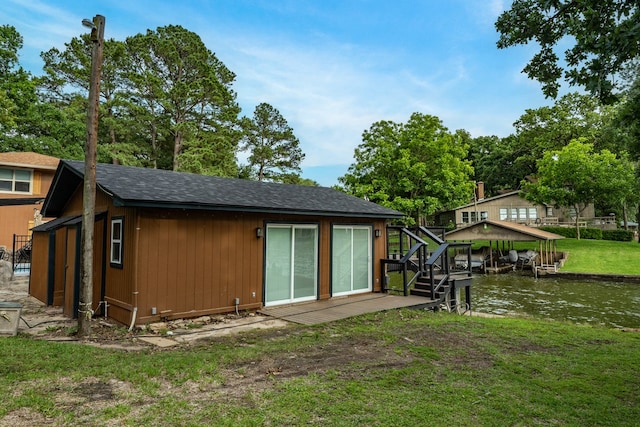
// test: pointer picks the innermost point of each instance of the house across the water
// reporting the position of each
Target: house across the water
(513, 207)
(170, 245)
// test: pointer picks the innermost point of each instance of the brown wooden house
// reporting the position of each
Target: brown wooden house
(173, 245)
(24, 182)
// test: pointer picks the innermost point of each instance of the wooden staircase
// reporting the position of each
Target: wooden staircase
(432, 274)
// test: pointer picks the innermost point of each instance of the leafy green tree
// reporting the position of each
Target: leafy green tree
(626, 124)
(66, 80)
(294, 178)
(604, 37)
(494, 163)
(26, 122)
(504, 163)
(274, 149)
(626, 120)
(417, 167)
(544, 129)
(576, 176)
(17, 91)
(184, 95)
(10, 43)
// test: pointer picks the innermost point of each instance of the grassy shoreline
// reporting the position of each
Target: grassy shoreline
(591, 256)
(395, 368)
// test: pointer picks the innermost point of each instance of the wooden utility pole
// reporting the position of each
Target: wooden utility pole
(85, 306)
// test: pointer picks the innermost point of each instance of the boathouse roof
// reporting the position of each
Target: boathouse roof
(489, 229)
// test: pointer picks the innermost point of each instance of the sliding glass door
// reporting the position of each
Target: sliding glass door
(351, 260)
(291, 263)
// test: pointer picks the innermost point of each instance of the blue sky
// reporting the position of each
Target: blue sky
(332, 68)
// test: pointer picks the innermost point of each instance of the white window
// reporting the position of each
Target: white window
(465, 217)
(484, 215)
(522, 214)
(533, 213)
(15, 180)
(504, 214)
(116, 242)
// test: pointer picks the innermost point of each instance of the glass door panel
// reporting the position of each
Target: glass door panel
(278, 260)
(351, 260)
(304, 263)
(291, 263)
(361, 259)
(341, 261)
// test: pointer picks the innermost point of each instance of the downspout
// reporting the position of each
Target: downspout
(134, 313)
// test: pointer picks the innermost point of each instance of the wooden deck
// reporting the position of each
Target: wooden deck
(315, 312)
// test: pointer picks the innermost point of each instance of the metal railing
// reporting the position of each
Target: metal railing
(434, 268)
(21, 254)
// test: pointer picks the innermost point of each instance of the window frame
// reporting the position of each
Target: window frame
(117, 263)
(14, 181)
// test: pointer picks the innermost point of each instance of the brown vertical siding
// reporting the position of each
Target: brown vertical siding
(39, 274)
(324, 259)
(119, 282)
(70, 271)
(203, 262)
(59, 266)
(98, 263)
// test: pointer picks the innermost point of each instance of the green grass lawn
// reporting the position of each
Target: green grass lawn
(592, 256)
(395, 368)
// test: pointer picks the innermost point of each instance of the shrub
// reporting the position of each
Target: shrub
(619, 235)
(570, 232)
(591, 233)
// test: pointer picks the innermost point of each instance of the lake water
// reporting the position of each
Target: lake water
(606, 303)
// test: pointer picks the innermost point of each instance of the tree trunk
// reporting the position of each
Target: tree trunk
(177, 149)
(154, 145)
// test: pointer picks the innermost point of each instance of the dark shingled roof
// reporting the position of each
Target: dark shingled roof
(140, 187)
(57, 223)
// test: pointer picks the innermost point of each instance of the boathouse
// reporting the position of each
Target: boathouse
(173, 245)
(503, 234)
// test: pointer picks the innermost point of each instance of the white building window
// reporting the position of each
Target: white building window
(473, 216)
(15, 180)
(116, 242)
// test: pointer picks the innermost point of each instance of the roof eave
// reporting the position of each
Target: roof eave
(119, 202)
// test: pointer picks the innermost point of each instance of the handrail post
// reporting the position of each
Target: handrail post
(13, 255)
(404, 278)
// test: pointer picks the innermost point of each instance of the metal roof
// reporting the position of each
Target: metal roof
(500, 230)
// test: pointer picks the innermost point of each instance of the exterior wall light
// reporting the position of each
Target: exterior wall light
(259, 232)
